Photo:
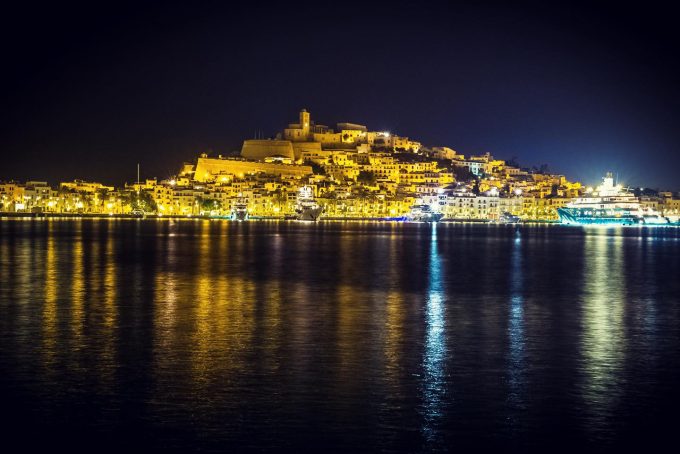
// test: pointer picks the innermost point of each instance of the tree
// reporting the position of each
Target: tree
(207, 205)
(101, 195)
(140, 201)
(280, 197)
(317, 169)
(367, 178)
(512, 162)
(365, 196)
(475, 188)
(543, 169)
(463, 174)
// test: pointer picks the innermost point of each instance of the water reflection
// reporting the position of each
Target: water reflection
(49, 315)
(109, 314)
(603, 343)
(77, 296)
(394, 314)
(434, 385)
(516, 326)
(645, 296)
(277, 334)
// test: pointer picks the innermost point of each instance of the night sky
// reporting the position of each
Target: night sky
(90, 90)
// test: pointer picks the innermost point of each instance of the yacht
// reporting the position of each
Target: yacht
(424, 213)
(239, 211)
(507, 218)
(609, 204)
(306, 208)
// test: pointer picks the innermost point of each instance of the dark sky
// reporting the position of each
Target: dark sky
(90, 90)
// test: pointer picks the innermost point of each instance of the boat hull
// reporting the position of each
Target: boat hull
(426, 217)
(576, 216)
(239, 216)
(309, 214)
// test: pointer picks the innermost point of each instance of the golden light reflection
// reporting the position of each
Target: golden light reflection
(348, 310)
(49, 315)
(224, 306)
(77, 287)
(109, 313)
(394, 317)
(202, 334)
(166, 344)
(271, 297)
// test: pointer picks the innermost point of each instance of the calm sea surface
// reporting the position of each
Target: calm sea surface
(210, 335)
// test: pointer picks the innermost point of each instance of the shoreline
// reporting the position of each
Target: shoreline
(66, 216)
(6, 216)
(15, 215)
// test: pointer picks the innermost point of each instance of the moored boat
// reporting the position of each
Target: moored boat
(239, 211)
(306, 208)
(609, 204)
(507, 218)
(424, 213)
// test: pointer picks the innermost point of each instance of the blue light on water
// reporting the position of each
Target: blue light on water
(516, 329)
(434, 384)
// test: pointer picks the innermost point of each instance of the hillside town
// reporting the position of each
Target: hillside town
(353, 173)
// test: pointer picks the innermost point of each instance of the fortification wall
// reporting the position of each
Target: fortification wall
(261, 149)
(208, 169)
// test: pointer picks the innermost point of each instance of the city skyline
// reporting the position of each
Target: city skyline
(584, 90)
(353, 172)
(260, 135)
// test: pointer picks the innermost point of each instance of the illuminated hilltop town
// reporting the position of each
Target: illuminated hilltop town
(353, 172)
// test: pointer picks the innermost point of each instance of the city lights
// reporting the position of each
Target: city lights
(349, 172)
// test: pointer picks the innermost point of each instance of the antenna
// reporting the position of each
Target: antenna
(137, 178)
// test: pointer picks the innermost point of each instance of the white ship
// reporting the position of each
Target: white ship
(239, 211)
(429, 208)
(306, 208)
(507, 218)
(609, 204)
(424, 213)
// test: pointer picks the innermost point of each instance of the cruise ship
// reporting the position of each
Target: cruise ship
(609, 204)
(306, 208)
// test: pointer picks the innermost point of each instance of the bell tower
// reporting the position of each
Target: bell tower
(304, 123)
